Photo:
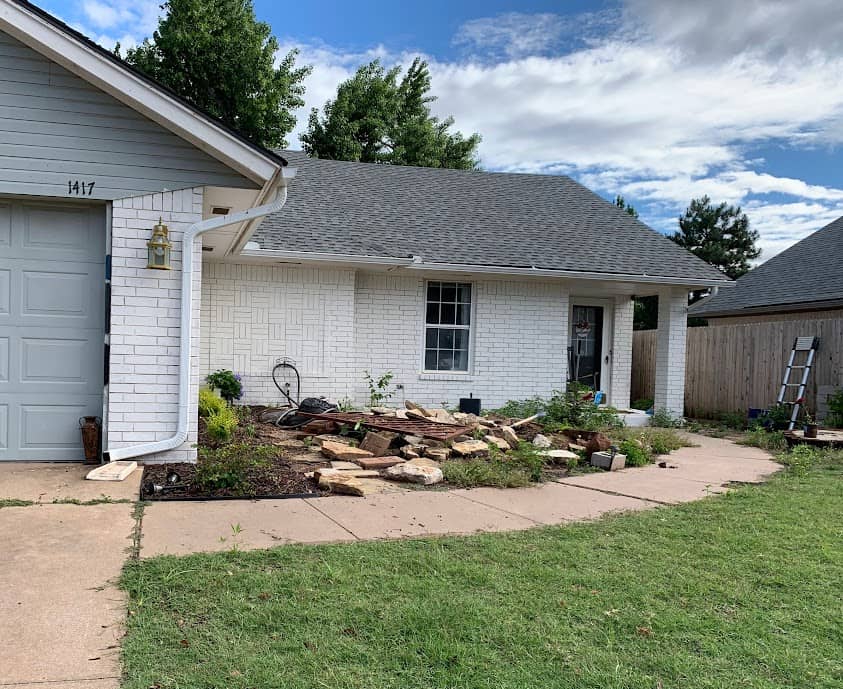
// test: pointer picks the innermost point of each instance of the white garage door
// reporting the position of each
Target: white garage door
(52, 272)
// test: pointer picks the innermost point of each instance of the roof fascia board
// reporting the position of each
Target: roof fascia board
(415, 263)
(49, 40)
(794, 307)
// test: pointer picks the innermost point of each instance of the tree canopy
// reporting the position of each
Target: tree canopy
(377, 118)
(217, 56)
(621, 203)
(719, 235)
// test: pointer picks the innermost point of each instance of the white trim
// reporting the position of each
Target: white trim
(607, 337)
(437, 374)
(416, 263)
(121, 83)
(186, 321)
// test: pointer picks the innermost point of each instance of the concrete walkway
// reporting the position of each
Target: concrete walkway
(178, 528)
(61, 613)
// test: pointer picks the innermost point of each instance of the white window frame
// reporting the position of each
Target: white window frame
(470, 329)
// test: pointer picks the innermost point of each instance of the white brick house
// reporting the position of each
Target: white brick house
(497, 285)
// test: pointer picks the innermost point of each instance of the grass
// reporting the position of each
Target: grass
(738, 590)
(519, 467)
(14, 502)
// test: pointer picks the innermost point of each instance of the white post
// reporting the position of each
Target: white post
(621, 361)
(670, 351)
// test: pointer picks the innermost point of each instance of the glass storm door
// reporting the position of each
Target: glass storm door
(586, 345)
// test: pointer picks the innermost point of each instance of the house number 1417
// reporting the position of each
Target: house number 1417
(77, 188)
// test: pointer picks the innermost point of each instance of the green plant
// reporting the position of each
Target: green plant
(209, 403)
(227, 382)
(778, 416)
(226, 467)
(732, 419)
(643, 404)
(220, 425)
(529, 458)
(801, 458)
(378, 387)
(636, 456)
(345, 404)
(664, 418)
(834, 418)
(515, 409)
(758, 436)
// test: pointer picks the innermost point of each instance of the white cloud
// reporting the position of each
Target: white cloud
(660, 102)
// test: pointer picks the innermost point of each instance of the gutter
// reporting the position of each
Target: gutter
(417, 263)
(186, 325)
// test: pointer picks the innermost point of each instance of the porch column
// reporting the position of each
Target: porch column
(670, 351)
(621, 375)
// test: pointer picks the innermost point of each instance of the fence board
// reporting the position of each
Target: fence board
(737, 366)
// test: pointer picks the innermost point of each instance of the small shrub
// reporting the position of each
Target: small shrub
(226, 467)
(772, 441)
(220, 426)
(229, 384)
(732, 419)
(515, 409)
(378, 388)
(209, 403)
(643, 404)
(528, 457)
(664, 418)
(479, 471)
(801, 459)
(636, 456)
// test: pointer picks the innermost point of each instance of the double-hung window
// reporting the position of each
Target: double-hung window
(447, 330)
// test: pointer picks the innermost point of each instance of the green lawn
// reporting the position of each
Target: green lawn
(740, 590)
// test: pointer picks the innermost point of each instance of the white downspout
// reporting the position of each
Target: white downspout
(185, 352)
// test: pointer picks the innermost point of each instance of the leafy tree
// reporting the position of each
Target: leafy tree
(217, 56)
(621, 203)
(719, 235)
(377, 118)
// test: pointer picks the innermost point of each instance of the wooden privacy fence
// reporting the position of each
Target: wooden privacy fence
(738, 366)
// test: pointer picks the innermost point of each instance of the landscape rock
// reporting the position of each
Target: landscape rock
(345, 485)
(470, 448)
(490, 423)
(508, 433)
(412, 406)
(423, 462)
(441, 416)
(400, 413)
(379, 462)
(335, 450)
(342, 464)
(466, 419)
(382, 411)
(378, 443)
(291, 443)
(542, 441)
(499, 443)
(576, 447)
(319, 439)
(440, 454)
(417, 414)
(308, 458)
(561, 456)
(413, 473)
(598, 443)
(413, 440)
(356, 472)
(410, 452)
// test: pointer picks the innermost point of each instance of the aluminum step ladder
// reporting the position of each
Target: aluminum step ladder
(809, 346)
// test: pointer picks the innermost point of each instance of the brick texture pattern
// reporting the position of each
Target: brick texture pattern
(669, 392)
(621, 375)
(145, 315)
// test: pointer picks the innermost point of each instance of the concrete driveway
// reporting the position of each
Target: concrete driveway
(61, 613)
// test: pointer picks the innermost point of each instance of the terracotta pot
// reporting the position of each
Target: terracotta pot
(811, 430)
(91, 433)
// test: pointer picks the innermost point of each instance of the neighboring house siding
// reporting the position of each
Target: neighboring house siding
(335, 324)
(145, 324)
(56, 128)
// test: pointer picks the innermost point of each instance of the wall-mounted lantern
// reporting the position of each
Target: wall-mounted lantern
(159, 247)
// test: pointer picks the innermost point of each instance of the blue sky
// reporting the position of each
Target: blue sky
(658, 100)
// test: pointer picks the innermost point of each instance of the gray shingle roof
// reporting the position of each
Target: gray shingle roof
(810, 271)
(464, 217)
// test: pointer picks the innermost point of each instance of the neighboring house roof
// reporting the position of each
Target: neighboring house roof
(469, 218)
(57, 41)
(807, 276)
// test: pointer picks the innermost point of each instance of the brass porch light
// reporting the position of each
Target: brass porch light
(159, 247)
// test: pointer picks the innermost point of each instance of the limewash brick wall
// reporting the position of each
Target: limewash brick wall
(145, 318)
(621, 375)
(252, 315)
(335, 324)
(519, 346)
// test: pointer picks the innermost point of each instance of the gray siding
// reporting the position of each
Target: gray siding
(56, 128)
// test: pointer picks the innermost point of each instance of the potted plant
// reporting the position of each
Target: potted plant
(810, 425)
(777, 417)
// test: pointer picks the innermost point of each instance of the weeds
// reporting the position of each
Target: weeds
(772, 441)
(520, 467)
(14, 502)
(664, 418)
(226, 467)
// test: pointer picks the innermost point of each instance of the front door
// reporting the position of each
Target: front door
(586, 348)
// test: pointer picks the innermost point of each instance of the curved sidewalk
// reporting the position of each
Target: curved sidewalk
(179, 528)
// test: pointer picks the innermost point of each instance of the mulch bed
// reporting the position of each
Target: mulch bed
(279, 476)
